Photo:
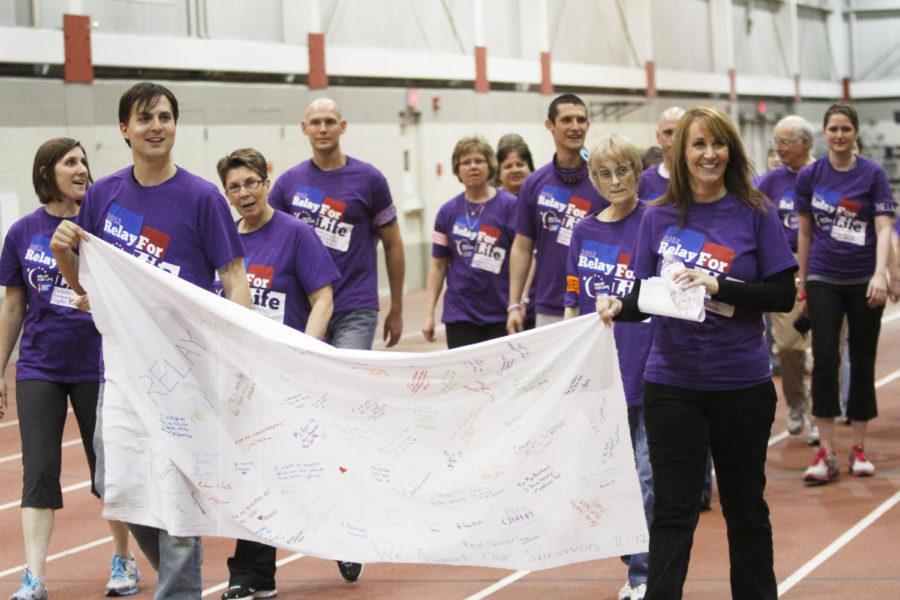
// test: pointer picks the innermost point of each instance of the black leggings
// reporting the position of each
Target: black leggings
(42, 412)
(827, 304)
(466, 334)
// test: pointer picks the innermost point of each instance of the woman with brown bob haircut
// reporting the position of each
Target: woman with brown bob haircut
(59, 361)
(709, 383)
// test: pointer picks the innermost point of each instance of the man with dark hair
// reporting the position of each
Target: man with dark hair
(175, 221)
(552, 200)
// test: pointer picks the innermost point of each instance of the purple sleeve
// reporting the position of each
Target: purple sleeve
(642, 186)
(881, 194)
(525, 224)
(279, 198)
(774, 252)
(218, 232)
(382, 209)
(440, 237)
(644, 258)
(10, 268)
(803, 190)
(313, 263)
(573, 283)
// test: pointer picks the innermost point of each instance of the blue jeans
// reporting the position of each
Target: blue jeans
(176, 559)
(637, 563)
(354, 329)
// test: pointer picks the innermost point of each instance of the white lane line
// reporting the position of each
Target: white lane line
(13, 457)
(15, 422)
(887, 379)
(777, 438)
(221, 586)
(891, 317)
(69, 488)
(499, 585)
(837, 544)
(62, 554)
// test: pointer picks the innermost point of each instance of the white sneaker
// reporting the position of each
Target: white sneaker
(123, 576)
(860, 466)
(638, 592)
(813, 437)
(794, 423)
(625, 592)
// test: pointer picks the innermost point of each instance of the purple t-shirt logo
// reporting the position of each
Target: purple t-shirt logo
(786, 211)
(488, 255)
(325, 214)
(464, 234)
(125, 229)
(603, 269)
(559, 211)
(692, 248)
(39, 254)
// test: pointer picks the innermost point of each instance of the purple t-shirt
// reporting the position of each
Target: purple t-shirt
(476, 238)
(346, 207)
(551, 202)
(599, 262)
(182, 225)
(725, 238)
(843, 205)
(778, 185)
(653, 184)
(285, 262)
(59, 342)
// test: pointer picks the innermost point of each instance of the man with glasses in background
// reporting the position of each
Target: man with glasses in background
(792, 140)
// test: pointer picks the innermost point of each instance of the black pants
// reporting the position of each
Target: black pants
(42, 409)
(827, 304)
(682, 426)
(252, 565)
(466, 334)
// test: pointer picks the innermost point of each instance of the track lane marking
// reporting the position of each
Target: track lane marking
(13, 457)
(837, 544)
(496, 587)
(62, 554)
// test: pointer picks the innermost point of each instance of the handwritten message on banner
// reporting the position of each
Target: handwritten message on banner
(217, 421)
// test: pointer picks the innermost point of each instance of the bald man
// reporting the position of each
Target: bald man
(349, 204)
(655, 182)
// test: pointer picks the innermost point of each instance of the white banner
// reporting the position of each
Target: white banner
(514, 453)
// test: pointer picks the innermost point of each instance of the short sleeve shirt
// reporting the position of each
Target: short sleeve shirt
(778, 185)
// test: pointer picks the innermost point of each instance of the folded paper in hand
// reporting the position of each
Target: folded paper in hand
(655, 298)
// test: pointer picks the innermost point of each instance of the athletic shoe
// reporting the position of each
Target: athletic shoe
(245, 592)
(823, 469)
(639, 591)
(795, 419)
(859, 464)
(350, 571)
(813, 438)
(625, 592)
(123, 576)
(32, 588)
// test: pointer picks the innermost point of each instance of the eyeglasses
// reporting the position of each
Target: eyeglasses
(781, 142)
(250, 186)
(620, 173)
(472, 162)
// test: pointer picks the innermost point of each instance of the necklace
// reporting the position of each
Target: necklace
(473, 211)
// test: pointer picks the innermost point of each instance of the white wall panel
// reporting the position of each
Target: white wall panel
(759, 39)
(877, 42)
(682, 36)
(503, 36)
(816, 60)
(145, 17)
(588, 32)
(242, 20)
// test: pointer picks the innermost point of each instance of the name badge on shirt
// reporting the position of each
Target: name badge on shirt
(63, 296)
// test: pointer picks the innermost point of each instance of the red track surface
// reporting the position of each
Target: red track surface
(806, 521)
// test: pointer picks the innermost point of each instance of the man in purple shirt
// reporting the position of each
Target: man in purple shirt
(552, 200)
(792, 140)
(654, 182)
(348, 203)
(179, 223)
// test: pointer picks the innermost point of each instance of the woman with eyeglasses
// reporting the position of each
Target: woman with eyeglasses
(845, 207)
(290, 273)
(470, 250)
(709, 384)
(59, 362)
(599, 262)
